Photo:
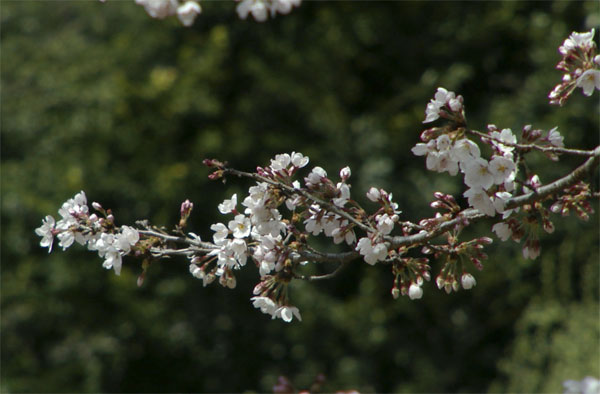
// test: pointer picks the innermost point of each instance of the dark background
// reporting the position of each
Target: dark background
(102, 98)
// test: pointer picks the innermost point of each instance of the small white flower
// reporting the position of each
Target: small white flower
(315, 176)
(588, 81)
(465, 150)
(479, 200)
(374, 194)
(422, 149)
(415, 292)
(345, 173)
(443, 142)
(227, 206)
(257, 8)
(505, 136)
(372, 252)
(159, 8)
(283, 6)
(281, 162)
(467, 281)
(66, 239)
(531, 252)
(113, 260)
(265, 304)
(126, 239)
(555, 138)
(385, 223)
(581, 40)
(432, 112)
(445, 162)
(589, 385)
(240, 226)
(46, 232)
(502, 230)
(298, 159)
(188, 12)
(477, 174)
(220, 234)
(196, 271)
(286, 313)
(501, 169)
(344, 195)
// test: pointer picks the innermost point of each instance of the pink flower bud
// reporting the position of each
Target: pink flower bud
(186, 208)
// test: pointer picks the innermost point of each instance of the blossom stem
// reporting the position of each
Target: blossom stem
(550, 149)
(303, 193)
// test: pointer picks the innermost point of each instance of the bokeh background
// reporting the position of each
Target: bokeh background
(102, 98)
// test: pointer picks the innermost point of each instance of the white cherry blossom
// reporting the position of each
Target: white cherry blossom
(228, 206)
(221, 233)
(578, 40)
(477, 174)
(374, 194)
(589, 81)
(281, 162)
(315, 177)
(502, 230)
(46, 232)
(479, 199)
(555, 138)
(240, 226)
(415, 292)
(257, 8)
(467, 281)
(287, 313)
(501, 169)
(159, 8)
(298, 159)
(188, 12)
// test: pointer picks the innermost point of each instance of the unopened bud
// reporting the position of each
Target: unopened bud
(97, 206)
(215, 175)
(231, 282)
(485, 240)
(395, 293)
(437, 205)
(186, 208)
(212, 163)
(345, 173)
(467, 281)
(440, 282)
(140, 279)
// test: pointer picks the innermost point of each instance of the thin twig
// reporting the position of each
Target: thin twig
(303, 193)
(550, 149)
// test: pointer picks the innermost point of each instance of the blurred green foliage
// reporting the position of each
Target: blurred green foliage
(102, 98)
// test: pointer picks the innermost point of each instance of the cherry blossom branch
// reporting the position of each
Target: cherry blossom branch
(525, 147)
(290, 190)
(279, 246)
(568, 180)
(330, 275)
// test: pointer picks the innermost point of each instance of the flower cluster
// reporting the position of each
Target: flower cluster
(271, 297)
(99, 233)
(581, 66)
(454, 273)
(160, 9)
(260, 9)
(276, 221)
(588, 385)
(449, 150)
(188, 11)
